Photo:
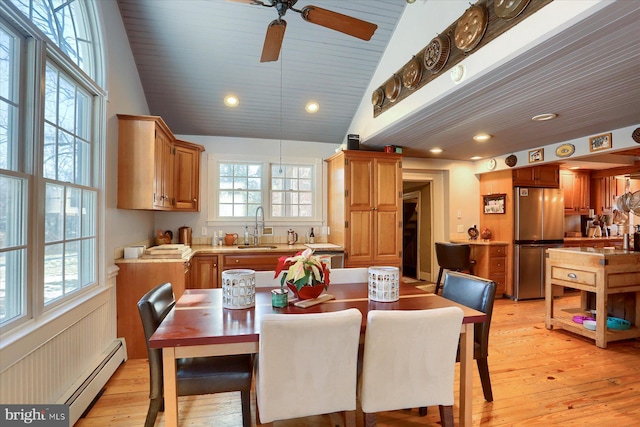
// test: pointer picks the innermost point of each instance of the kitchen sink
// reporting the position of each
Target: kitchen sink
(256, 247)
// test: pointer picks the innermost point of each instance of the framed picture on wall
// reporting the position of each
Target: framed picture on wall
(600, 142)
(494, 203)
(536, 155)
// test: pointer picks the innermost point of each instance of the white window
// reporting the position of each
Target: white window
(50, 157)
(240, 189)
(286, 191)
(291, 191)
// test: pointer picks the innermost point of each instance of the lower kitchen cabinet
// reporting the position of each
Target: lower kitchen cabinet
(133, 281)
(258, 262)
(491, 263)
(204, 272)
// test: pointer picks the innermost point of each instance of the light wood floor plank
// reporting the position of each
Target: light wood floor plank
(539, 378)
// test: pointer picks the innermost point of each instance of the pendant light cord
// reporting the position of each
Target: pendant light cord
(281, 55)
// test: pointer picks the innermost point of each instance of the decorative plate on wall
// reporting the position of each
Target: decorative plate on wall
(377, 97)
(565, 150)
(392, 88)
(471, 27)
(509, 9)
(437, 53)
(411, 73)
(511, 160)
(636, 135)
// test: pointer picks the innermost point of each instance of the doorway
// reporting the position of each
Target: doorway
(416, 230)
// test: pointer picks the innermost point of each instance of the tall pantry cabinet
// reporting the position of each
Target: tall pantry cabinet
(365, 207)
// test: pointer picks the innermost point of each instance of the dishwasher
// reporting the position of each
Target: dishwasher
(332, 255)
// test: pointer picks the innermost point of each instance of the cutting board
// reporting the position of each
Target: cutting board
(167, 251)
(311, 302)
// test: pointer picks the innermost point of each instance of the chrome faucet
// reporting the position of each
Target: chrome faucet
(255, 229)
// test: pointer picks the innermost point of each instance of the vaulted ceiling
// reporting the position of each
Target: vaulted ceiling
(191, 54)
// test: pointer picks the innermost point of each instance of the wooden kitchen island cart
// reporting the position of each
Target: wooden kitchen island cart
(598, 271)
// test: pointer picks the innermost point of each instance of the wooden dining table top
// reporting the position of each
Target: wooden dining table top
(199, 318)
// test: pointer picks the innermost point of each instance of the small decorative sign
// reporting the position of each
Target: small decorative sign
(600, 142)
(536, 155)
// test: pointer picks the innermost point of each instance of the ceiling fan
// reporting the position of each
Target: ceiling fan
(316, 15)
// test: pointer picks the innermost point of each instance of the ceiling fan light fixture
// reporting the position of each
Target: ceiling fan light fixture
(312, 107)
(231, 101)
(436, 150)
(544, 117)
(481, 137)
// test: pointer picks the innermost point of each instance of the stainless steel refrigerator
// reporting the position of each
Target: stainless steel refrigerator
(539, 224)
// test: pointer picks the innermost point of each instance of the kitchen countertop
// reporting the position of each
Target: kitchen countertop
(591, 239)
(595, 251)
(215, 250)
(479, 242)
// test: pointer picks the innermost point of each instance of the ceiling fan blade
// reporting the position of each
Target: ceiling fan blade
(336, 21)
(273, 40)
(247, 2)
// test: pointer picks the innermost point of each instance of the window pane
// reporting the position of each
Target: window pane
(66, 105)
(72, 213)
(71, 275)
(9, 101)
(54, 213)
(53, 272)
(83, 162)
(88, 267)
(50, 158)
(65, 157)
(51, 95)
(89, 199)
(13, 197)
(226, 170)
(13, 286)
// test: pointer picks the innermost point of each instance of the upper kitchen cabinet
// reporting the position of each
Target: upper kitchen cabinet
(575, 186)
(537, 176)
(186, 170)
(365, 207)
(155, 172)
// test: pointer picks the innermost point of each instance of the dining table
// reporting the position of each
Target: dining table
(199, 326)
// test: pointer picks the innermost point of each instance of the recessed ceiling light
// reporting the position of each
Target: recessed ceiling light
(475, 158)
(231, 101)
(312, 107)
(482, 137)
(544, 117)
(574, 167)
(436, 150)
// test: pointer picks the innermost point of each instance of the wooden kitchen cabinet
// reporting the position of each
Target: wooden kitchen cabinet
(133, 281)
(255, 261)
(365, 207)
(547, 176)
(576, 189)
(491, 263)
(204, 272)
(187, 176)
(603, 194)
(149, 173)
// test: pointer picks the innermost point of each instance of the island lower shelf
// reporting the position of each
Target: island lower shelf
(563, 319)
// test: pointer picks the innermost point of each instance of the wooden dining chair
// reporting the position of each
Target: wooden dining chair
(409, 361)
(307, 365)
(195, 376)
(453, 257)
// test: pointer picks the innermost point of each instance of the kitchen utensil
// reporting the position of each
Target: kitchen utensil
(292, 237)
(511, 160)
(184, 235)
(471, 27)
(617, 323)
(230, 238)
(411, 73)
(509, 9)
(437, 53)
(392, 88)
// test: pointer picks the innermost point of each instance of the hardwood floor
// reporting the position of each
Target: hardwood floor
(539, 378)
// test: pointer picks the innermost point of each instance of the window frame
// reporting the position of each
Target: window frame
(36, 53)
(214, 161)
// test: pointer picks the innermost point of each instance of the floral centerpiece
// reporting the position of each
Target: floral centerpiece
(306, 275)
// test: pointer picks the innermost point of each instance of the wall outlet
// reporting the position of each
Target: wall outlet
(203, 231)
(459, 213)
(323, 231)
(460, 228)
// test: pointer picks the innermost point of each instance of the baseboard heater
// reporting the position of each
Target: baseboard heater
(82, 393)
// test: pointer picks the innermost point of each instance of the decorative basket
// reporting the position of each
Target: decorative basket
(238, 289)
(384, 284)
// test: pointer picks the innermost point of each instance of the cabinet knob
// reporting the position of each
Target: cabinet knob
(195, 200)
(237, 261)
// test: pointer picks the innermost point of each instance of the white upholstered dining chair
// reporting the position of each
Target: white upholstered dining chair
(307, 365)
(409, 361)
(339, 276)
